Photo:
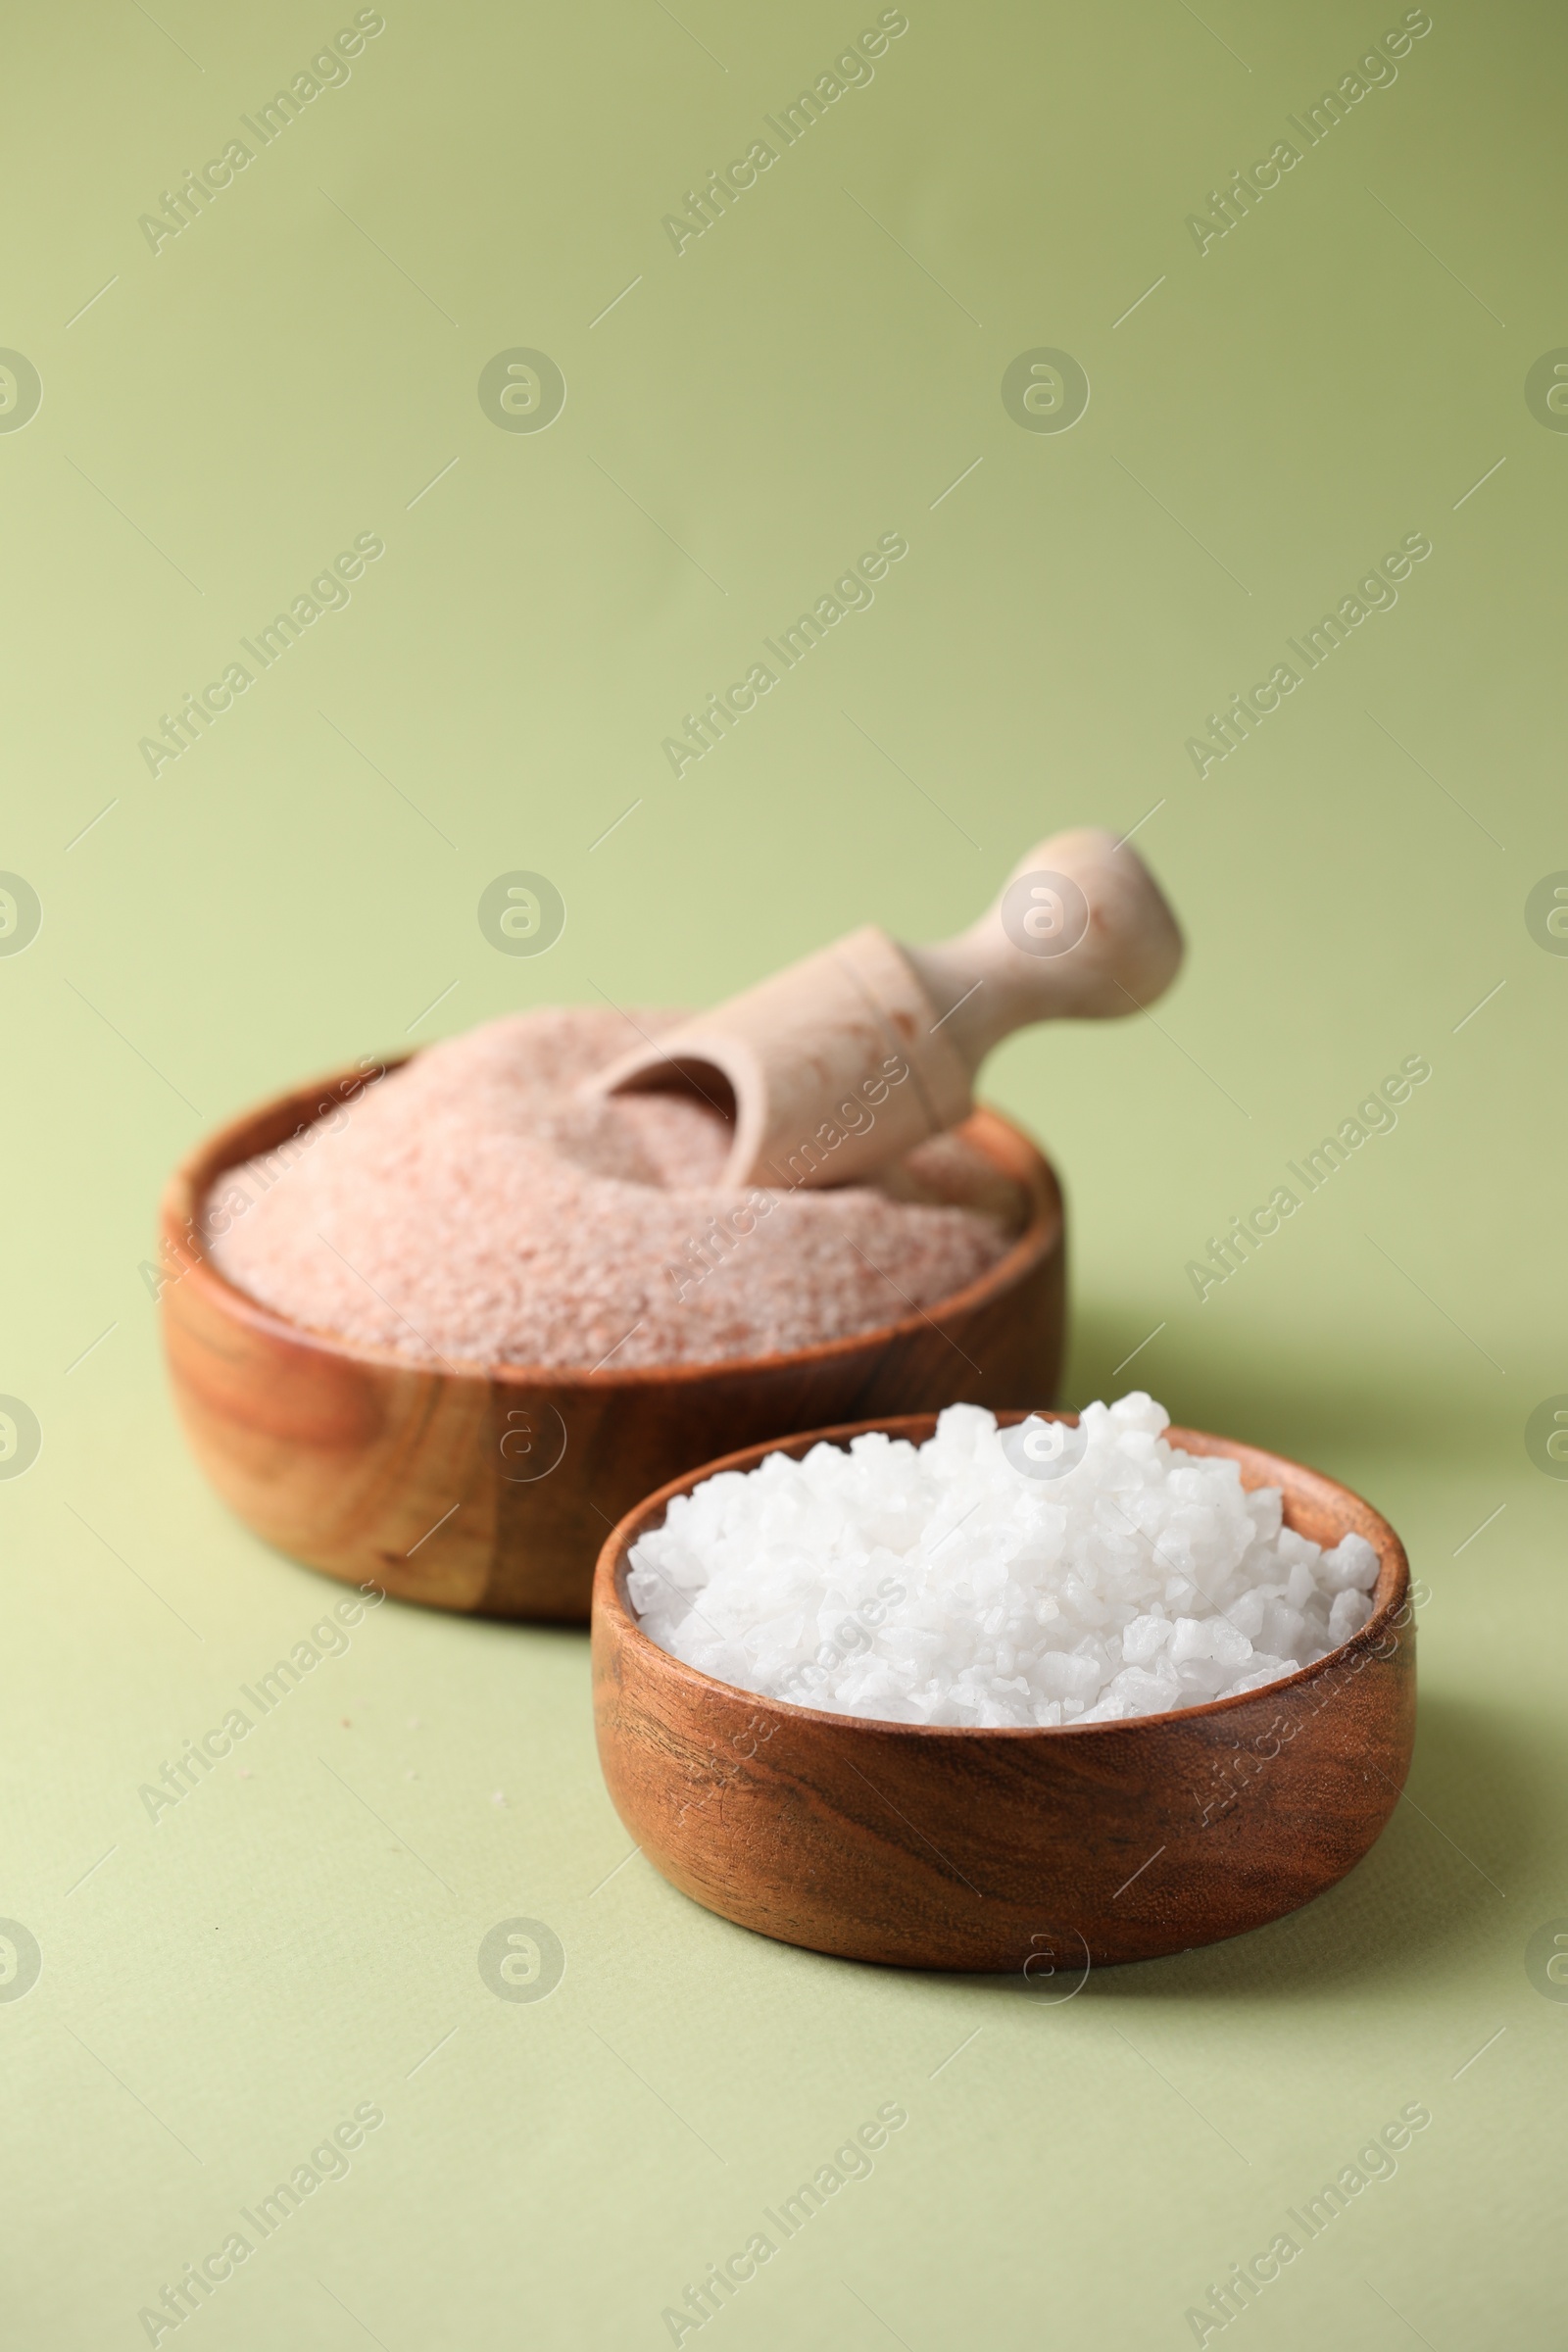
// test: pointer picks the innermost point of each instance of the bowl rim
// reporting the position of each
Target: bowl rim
(609, 1597)
(218, 1152)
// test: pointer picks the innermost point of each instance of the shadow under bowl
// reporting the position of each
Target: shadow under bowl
(489, 1488)
(1018, 1851)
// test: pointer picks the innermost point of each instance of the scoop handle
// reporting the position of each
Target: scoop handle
(1079, 931)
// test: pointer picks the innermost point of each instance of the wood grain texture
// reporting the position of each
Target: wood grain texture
(368, 1467)
(1042, 1853)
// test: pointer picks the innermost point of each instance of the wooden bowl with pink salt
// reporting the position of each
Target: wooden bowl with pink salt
(376, 1424)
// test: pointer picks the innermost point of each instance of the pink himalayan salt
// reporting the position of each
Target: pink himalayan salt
(469, 1207)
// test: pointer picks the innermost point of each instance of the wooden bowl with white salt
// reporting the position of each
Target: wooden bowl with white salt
(489, 1488)
(1039, 1853)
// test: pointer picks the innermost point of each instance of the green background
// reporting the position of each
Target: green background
(218, 419)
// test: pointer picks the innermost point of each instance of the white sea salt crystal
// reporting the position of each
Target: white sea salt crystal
(1352, 1565)
(979, 1580)
(1245, 1614)
(1349, 1612)
(1144, 1639)
(1301, 1584)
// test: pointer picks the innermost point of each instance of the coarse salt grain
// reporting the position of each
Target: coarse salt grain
(472, 1207)
(1030, 1577)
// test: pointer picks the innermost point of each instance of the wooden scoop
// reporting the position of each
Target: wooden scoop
(846, 1061)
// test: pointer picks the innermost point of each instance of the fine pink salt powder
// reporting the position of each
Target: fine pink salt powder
(471, 1208)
